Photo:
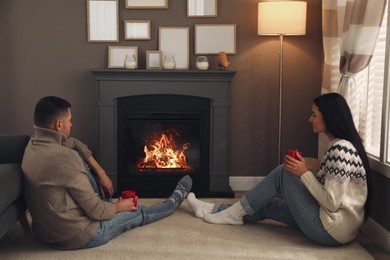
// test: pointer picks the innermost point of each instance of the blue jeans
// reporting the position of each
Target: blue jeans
(109, 229)
(283, 197)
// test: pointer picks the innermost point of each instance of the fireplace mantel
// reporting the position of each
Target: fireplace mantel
(213, 84)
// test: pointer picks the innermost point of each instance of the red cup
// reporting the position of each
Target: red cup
(293, 153)
(130, 194)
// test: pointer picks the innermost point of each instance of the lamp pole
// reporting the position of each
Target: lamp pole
(280, 97)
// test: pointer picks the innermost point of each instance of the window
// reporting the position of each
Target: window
(373, 118)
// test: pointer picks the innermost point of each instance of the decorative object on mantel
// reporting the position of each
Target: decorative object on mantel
(202, 63)
(153, 59)
(223, 62)
(130, 61)
(213, 38)
(281, 18)
(146, 4)
(202, 8)
(117, 55)
(169, 62)
(103, 21)
(175, 41)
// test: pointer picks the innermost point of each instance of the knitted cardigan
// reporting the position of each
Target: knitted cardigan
(65, 209)
(340, 188)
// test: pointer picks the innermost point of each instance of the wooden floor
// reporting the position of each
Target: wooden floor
(366, 242)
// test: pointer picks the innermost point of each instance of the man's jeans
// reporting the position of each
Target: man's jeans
(109, 229)
(297, 208)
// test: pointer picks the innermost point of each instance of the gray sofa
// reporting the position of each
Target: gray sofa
(12, 204)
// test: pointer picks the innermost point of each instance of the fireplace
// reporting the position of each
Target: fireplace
(156, 126)
(161, 138)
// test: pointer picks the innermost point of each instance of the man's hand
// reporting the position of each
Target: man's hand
(105, 184)
(296, 167)
(125, 205)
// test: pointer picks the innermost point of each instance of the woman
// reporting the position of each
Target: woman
(329, 206)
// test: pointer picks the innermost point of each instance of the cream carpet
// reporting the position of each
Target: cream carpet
(182, 236)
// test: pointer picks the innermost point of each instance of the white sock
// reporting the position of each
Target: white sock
(200, 208)
(232, 215)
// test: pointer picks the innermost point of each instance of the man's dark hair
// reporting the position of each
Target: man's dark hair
(49, 109)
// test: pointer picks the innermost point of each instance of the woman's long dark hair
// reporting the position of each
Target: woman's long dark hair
(339, 123)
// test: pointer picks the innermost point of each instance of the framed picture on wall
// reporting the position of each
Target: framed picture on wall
(153, 60)
(202, 8)
(117, 55)
(103, 21)
(146, 4)
(137, 30)
(214, 38)
(174, 41)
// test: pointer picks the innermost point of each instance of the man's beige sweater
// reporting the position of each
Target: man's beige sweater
(65, 209)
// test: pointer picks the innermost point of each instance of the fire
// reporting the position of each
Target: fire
(163, 154)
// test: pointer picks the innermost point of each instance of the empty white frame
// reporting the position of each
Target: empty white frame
(202, 8)
(137, 30)
(175, 41)
(103, 21)
(117, 55)
(153, 59)
(146, 4)
(214, 38)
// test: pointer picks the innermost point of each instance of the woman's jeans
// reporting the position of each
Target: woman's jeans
(297, 207)
(109, 229)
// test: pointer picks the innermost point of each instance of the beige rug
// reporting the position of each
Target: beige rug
(182, 236)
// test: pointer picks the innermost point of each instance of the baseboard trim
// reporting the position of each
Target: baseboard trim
(244, 183)
(377, 233)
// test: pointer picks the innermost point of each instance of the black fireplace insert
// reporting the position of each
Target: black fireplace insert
(161, 138)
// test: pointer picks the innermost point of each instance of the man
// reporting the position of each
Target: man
(62, 195)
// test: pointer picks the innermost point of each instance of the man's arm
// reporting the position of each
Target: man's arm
(105, 184)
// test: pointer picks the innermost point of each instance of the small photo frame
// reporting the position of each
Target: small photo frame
(202, 8)
(137, 30)
(146, 4)
(153, 60)
(117, 55)
(174, 41)
(214, 38)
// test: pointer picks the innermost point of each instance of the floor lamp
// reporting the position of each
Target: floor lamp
(281, 18)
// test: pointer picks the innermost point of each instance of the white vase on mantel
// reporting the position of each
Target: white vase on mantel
(169, 62)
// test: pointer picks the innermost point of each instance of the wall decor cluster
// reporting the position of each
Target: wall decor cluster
(173, 42)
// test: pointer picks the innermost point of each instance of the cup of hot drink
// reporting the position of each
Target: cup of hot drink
(293, 153)
(128, 194)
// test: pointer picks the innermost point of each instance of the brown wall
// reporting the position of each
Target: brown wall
(44, 51)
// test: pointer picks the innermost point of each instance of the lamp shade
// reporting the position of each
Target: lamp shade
(282, 18)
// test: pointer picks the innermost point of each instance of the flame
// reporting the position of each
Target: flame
(163, 155)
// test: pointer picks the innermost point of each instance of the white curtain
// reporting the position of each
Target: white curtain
(350, 31)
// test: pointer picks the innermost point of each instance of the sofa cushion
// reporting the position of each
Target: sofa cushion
(11, 184)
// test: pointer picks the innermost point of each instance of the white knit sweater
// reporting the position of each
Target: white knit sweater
(340, 188)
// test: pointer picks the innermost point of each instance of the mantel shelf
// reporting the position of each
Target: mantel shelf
(194, 75)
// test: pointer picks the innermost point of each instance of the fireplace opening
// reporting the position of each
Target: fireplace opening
(161, 138)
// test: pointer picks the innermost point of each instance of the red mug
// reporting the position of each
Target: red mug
(293, 153)
(128, 194)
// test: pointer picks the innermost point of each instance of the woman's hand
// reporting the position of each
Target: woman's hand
(125, 205)
(295, 166)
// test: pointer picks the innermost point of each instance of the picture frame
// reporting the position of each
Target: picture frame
(214, 38)
(153, 59)
(102, 21)
(117, 55)
(137, 30)
(146, 4)
(202, 8)
(175, 41)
